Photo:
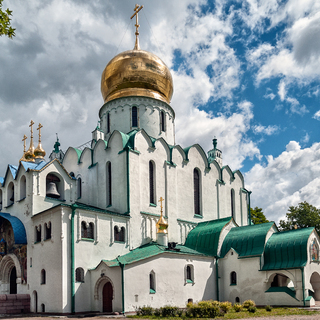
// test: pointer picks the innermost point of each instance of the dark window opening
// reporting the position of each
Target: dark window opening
(38, 233)
(43, 276)
(134, 116)
(196, 185)
(109, 185)
(79, 188)
(237, 300)
(151, 182)
(79, 275)
(163, 121)
(152, 283)
(119, 235)
(108, 122)
(47, 229)
(232, 203)
(233, 278)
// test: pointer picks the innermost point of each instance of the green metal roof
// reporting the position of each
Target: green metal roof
(247, 240)
(148, 251)
(287, 249)
(205, 236)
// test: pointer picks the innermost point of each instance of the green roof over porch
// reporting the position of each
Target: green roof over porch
(287, 249)
(205, 236)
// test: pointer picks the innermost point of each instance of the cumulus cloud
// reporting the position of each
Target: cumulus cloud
(317, 115)
(268, 130)
(286, 180)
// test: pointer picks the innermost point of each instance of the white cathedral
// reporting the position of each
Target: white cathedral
(134, 219)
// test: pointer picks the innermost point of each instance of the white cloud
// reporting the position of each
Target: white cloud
(282, 90)
(268, 130)
(286, 180)
(306, 138)
(317, 115)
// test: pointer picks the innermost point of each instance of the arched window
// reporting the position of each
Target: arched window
(163, 120)
(79, 188)
(84, 230)
(90, 231)
(37, 230)
(152, 282)
(189, 274)
(43, 307)
(79, 275)
(152, 182)
(108, 122)
(10, 194)
(232, 204)
(122, 234)
(134, 113)
(109, 184)
(23, 187)
(43, 277)
(233, 278)
(196, 191)
(0, 200)
(47, 231)
(116, 233)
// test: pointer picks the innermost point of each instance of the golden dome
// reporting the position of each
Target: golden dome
(136, 73)
(39, 153)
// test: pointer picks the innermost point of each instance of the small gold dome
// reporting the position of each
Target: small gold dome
(136, 73)
(39, 153)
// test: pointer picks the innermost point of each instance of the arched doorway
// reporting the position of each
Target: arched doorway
(13, 281)
(107, 296)
(315, 282)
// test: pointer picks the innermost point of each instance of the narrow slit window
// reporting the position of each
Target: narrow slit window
(163, 121)
(196, 185)
(151, 182)
(134, 116)
(109, 184)
(108, 122)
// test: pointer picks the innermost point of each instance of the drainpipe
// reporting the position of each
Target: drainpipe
(217, 276)
(303, 294)
(73, 208)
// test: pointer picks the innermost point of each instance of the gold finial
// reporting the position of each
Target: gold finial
(24, 148)
(136, 9)
(162, 224)
(29, 155)
(39, 152)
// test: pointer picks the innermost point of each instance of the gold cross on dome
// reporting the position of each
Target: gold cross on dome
(161, 199)
(30, 125)
(137, 8)
(24, 143)
(39, 128)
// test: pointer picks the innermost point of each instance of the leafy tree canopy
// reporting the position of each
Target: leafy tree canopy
(302, 216)
(257, 216)
(5, 24)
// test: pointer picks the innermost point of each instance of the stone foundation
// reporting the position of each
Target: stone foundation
(14, 303)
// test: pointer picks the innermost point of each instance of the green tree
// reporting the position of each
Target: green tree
(5, 24)
(302, 216)
(257, 216)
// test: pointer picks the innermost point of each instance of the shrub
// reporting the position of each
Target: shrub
(268, 308)
(179, 312)
(225, 306)
(237, 307)
(168, 311)
(145, 311)
(252, 309)
(203, 309)
(157, 312)
(248, 303)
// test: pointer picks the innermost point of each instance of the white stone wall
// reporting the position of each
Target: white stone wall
(171, 288)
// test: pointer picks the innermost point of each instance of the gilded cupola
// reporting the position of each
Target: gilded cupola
(136, 73)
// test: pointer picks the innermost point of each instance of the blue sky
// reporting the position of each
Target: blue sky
(246, 72)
